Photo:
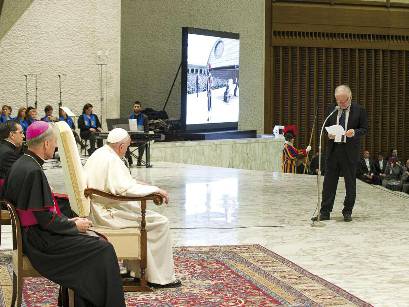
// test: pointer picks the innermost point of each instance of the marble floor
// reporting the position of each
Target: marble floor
(368, 257)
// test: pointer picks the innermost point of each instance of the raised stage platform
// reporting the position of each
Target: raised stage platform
(261, 153)
(213, 135)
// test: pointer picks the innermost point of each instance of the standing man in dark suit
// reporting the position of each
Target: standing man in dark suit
(343, 156)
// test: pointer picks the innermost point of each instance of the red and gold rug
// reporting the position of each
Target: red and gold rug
(241, 275)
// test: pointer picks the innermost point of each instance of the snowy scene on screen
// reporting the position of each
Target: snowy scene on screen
(212, 80)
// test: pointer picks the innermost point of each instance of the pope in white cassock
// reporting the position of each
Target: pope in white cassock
(107, 172)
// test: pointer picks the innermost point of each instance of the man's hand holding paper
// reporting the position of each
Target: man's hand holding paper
(335, 132)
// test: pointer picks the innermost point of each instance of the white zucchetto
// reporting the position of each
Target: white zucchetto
(116, 135)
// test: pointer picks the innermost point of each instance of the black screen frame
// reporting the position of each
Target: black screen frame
(200, 127)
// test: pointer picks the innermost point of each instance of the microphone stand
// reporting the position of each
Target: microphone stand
(26, 76)
(36, 96)
(171, 88)
(318, 208)
(59, 82)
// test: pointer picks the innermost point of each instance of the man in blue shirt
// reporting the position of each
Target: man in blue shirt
(142, 122)
(31, 117)
(49, 118)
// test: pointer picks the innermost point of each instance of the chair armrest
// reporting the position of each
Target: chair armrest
(156, 198)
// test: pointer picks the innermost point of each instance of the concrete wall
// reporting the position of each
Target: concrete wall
(63, 37)
(151, 50)
(11, 12)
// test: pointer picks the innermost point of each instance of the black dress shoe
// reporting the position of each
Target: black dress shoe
(347, 218)
(175, 284)
(323, 217)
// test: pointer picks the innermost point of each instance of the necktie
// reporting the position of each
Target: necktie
(342, 119)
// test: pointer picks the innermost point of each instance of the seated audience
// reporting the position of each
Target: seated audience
(11, 142)
(366, 170)
(143, 125)
(61, 249)
(49, 118)
(21, 116)
(106, 171)
(31, 117)
(392, 154)
(405, 177)
(64, 117)
(314, 165)
(380, 166)
(89, 124)
(393, 174)
(5, 113)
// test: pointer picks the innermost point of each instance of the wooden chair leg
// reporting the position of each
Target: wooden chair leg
(14, 295)
(1, 219)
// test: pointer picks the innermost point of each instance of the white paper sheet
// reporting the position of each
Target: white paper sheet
(336, 130)
(133, 125)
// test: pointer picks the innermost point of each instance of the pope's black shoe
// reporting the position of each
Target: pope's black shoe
(323, 217)
(175, 284)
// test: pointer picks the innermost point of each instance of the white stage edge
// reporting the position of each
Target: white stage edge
(262, 153)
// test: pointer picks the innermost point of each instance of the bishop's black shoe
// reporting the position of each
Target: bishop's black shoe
(323, 217)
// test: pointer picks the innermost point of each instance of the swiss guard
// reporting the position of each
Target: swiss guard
(290, 153)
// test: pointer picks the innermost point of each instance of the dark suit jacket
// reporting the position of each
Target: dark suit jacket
(378, 169)
(8, 155)
(363, 169)
(358, 120)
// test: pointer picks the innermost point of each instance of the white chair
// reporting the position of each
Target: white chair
(129, 243)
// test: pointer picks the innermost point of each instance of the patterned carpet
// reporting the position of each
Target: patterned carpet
(242, 275)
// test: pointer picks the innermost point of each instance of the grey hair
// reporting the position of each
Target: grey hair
(42, 137)
(343, 89)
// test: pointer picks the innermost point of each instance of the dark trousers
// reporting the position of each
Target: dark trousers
(337, 163)
(141, 151)
(76, 137)
(89, 135)
(374, 180)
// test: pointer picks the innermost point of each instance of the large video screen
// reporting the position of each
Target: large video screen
(210, 79)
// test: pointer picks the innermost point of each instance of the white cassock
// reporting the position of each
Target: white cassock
(107, 172)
